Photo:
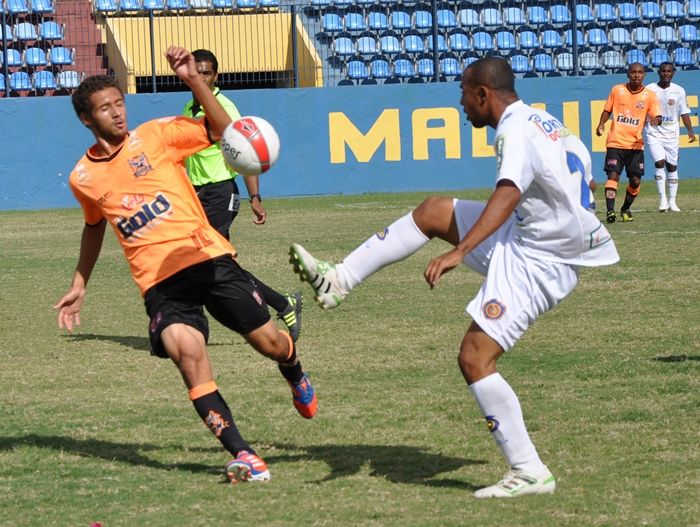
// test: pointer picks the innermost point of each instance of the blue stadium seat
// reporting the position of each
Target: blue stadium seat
(446, 19)
(505, 40)
(177, 5)
(673, 9)
(413, 43)
(403, 67)
(42, 7)
(50, 30)
(636, 55)
(422, 18)
(44, 80)
(627, 12)
(542, 62)
(596, 37)
(468, 18)
(482, 41)
(491, 17)
(343, 45)
(389, 43)
(130, 5)
(425, 67)
(469, 58)
(450, 64)
(25, 31)
(357, 69)
(379, 67)
(246, 4)
(441, 43)
(106, 6)
(551, 39)
(688, 34)
(354, 22)
(153, 5)
(34, 57)
(657, 56)
(513, 16)
(3, 86)
(650, 11)
(520, 63)
(612, 59)
(665, 34)
(569, 38)
(694, 9)
(683, 57)
(536, 15)
(367, 44)
(400, 20)
(331, 23)
(584, 14)
(377, 21)
(604, 12)
(7, 32)
(319, 4)
(69, 79)
(527, 38)
(559, 15)
(17, 7)
(588, 60)
(342, 4)
(642, 36)
(458, 41)
(20, 81)
(564, 60)
(619, 36)
(60, 56)
(14, 57)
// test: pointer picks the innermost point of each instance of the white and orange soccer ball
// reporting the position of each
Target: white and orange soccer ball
(250, 145)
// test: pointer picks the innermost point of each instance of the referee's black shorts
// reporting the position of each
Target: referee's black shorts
(220, 285)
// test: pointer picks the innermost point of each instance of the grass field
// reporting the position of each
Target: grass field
(94, 429)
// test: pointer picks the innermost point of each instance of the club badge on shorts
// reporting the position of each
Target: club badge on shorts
(493, 309)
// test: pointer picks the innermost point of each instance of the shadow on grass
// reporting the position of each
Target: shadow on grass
(398, 464)
(121, 452)
(136, 343)
(677, 358)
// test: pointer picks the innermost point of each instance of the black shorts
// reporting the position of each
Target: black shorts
(221, 202)
(220, 285)
(631, 160)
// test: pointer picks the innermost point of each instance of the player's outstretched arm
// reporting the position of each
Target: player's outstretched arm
(498, 209)
(183, 64)
(70, 303)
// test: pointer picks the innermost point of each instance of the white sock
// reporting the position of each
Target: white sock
(504, 417)
(672, 186)
(399, 240)
(660, 176)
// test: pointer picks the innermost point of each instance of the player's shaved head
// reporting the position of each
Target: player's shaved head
(492, 72)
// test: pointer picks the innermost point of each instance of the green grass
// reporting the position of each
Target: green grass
(94, 429)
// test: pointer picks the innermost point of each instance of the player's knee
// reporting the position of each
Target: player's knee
(660, 164)
(431, 215)
(671, 169)
(634, 182)
(470, 362)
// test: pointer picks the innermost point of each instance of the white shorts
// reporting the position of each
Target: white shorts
(663, 149)
(518, 288)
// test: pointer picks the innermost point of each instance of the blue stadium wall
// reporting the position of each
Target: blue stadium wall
(334, 141)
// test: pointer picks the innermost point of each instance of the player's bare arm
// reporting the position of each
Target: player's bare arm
(601, 123)
(252, 183)
(499, 208)
(183, 64)
(688, 126)
(70, 303)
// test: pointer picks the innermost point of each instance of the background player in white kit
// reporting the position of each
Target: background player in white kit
(528, 240)
(664, 140)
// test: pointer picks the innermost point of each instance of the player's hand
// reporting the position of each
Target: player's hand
(441, 265)
(599, 131)
(259, 212)
(691, 138)
(182, 63)
(655, 121)
(69, 308)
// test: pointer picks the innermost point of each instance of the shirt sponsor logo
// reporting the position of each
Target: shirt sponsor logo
(140, 165)
(130, 201)
(148, 216)
(630, 121)
(551, 128)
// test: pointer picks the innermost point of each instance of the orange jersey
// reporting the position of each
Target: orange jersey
(142, 190)
(629, 115)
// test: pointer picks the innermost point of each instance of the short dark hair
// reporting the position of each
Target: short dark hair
(92, 84)
(493, 72)
(203, 55)
(667, 63)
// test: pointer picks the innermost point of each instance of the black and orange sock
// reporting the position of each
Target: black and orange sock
(630, 196)
(215, 413)
(275, 300)
(610, 194)
(291, 368)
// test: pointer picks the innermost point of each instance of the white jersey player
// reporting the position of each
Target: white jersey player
(529, 241)
(663, 141)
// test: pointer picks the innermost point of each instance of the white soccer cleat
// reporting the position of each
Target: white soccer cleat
(321, 275)
(663, 204)
(672, 205)
(520, 483)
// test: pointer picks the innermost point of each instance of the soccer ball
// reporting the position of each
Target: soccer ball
(250, 145)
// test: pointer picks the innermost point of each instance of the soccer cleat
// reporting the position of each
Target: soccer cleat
(247, 467)
(626, 215)
(291, 316)
(520, 483)
(663, 204)
(610, 216)
(672, 205)
(321, 275)
(304, 397)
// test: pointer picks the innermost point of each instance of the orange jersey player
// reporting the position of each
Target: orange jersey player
(136, 182)
(630, 105)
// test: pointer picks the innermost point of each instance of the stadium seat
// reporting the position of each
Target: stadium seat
(422, 18)
(389, 43)
(354, 22)
(20, 81)
(657, 56)
(513, 16)
(7, 32)
(200, 5)
(400, 20)
(106, 6)
(683, 57)
(342, 4)
(650, 11)
(564, 61)
(153, 5)
(688, 34)
(270, 4)
(665, 34)
(612, 59)
(482, 41)
(69, 79)
(446, 18)
(491, 17)
(449, 64)
(3, 86)
(42, 7)
(25, 31)
(536, 15)
(588, 60)
(551, 39)
(441, 43)
(44, 80)
(642, 36)
(505, 40)
(130, 5)
(34, 57)
(569, 40)
(51, 30)
(377, 20)
(17, 7)
(584, 14)
(596, 37)
(469, 58)
(458, 41)
(14, 57)
(636, 55)
(343, 45)
(627, 12)
(619, 36)
(604, 12)
(331, 23)
(366, 44)
(542, 62)
(468, 18)
(559, 15)
(246, 4)
(403, 67)
(425, 66)
(673, 9)
(60, 56)
(694, 9)
(379, 67)
(177, 5)
(520, 63)
(527, 38)
(357, 69)
(413, 43)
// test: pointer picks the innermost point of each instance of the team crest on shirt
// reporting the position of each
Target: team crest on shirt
(493, 309)
(216, 423)
(492, 423)
(140, 165)
(640, 105)
(671, 102)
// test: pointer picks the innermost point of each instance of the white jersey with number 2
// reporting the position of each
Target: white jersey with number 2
(551, 168)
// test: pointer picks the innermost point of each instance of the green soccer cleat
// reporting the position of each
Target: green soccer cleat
(321, 275)
(291, 316)
(519, 483)
(626, 215)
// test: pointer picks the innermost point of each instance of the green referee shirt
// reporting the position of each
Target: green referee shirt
(208, 166)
